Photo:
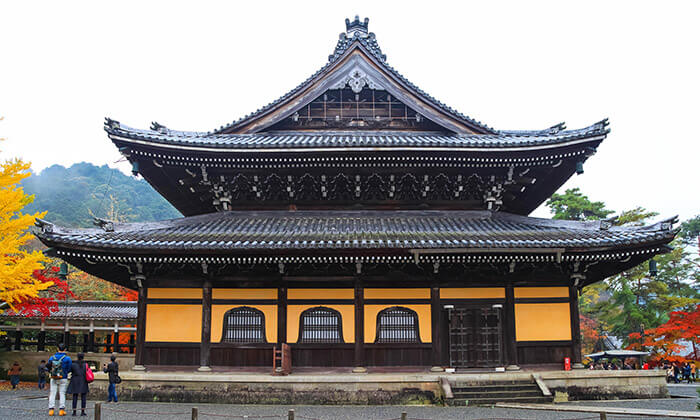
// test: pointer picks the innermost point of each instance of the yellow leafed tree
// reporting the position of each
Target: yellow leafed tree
(17, 264)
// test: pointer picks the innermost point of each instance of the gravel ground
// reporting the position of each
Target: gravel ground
(31, 404)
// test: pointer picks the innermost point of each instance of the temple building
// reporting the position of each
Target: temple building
(364, 223)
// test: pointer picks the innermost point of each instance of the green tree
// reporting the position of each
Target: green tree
(690, 230)
(633, 299)
(573, 205)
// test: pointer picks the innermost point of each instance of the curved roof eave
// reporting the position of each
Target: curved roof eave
(355, 142)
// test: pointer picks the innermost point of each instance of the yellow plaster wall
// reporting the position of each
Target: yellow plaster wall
(542, 322)
(174, 323)
(174, 293)
(423, 312)
(540, 292)
(244, 294)
(320, 294)
(217, 320)
(397, 293)
(347, 314)
(473, 293)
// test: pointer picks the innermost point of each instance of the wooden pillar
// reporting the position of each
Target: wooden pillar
(281, 315)
(205, 345)
(575, 328)
(41, 341)
(66, 339)
(91, 337)
(509, 313)
(435, 338)
(359, 327)
(132, 344)
(115, 342)
(86, 339)
(139, 356)
(18, 340)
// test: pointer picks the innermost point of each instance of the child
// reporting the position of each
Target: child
(41, 372)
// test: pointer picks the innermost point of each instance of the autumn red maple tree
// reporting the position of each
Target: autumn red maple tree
(47, 301)
(666, 342)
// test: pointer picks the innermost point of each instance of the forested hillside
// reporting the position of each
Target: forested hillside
(71, 196)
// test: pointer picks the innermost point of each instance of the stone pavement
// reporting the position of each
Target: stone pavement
(31, 404)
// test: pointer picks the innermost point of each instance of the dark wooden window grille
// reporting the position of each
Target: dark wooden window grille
(397, 325)
(244, 325)
(320, 325)
(369, 109)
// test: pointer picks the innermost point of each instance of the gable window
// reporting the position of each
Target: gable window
(397, 325)
(244, 325)
(320, 325)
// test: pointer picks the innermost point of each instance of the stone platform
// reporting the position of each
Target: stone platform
(379, 386)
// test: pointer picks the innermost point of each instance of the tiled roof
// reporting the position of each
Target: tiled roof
(299, 140)
(88, 310)
(369, 43)
(332, 230)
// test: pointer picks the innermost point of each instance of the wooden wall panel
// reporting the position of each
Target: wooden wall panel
(472, 293)
(541, 292)
(422, 293)
(174, 323)
(218, 293)
(542, 321)
(174, 293)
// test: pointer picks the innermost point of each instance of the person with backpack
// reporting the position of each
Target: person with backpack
(41, 374)
(59, 366)
(81, 376)
(113, 370)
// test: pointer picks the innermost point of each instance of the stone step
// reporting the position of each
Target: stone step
(458, 384)
(495, 388)
(505, 395)
(486, 400)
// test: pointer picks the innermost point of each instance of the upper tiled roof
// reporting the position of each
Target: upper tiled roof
(302, 140)
(368, 41)
(282, 230)
(87, 310)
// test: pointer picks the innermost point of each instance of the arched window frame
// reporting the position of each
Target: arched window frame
(326, 309)
(263, 337)
(408, 311)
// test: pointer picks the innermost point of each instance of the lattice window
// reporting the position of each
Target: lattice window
(368, 109)
(397, 325)
(320, 325)
(244, 325)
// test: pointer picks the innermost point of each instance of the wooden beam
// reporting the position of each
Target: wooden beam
(509, 315)
(435, 328)
(281, 315)
(205, 345)
(359, 327)
(575, 328)
(139, 357)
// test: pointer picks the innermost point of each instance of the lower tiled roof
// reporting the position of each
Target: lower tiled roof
(86, 310)
(332, 230)
(334, 140)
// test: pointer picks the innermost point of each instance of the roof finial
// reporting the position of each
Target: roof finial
(356, 28)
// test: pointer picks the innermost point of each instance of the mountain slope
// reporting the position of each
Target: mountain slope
(72, 195)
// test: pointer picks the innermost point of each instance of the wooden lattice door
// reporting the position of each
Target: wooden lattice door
(475, 336)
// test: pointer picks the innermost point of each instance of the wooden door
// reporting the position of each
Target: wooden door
(475, 336)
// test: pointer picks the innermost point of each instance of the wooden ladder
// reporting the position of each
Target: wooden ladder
(284, 356)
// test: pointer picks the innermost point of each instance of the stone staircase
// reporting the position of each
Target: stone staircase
(492, 392)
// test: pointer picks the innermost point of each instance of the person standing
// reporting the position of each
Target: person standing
(113, 370)
(14, 373)
(59, 365)
(41, 373)
(78, 383)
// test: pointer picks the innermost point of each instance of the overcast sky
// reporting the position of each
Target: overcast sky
(513, 65)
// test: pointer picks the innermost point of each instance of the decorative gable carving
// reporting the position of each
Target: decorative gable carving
(357, 80)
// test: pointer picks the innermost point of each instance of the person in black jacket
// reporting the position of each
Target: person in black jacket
(78, 383)
(113, 370)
